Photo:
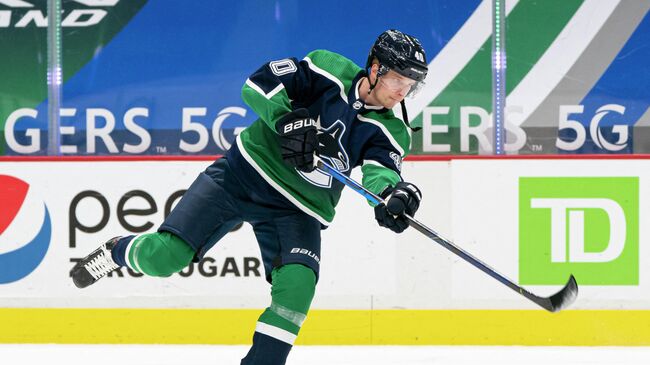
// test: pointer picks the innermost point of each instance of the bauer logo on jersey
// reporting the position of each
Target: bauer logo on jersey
(25, 229)
(586, 226)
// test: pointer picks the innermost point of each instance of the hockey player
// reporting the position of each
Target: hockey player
(324, 105)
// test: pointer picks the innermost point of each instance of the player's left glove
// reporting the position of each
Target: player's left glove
(404, 198)
(298, 139)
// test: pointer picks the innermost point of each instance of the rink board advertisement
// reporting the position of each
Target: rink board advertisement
(140, 79)
(45, 233)
(534, 221)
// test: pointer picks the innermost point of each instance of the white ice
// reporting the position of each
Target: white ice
(320, 355)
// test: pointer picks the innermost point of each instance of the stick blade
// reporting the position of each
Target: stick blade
(561, 299)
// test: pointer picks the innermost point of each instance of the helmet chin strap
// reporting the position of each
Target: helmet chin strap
(405, 117)
(372, 86)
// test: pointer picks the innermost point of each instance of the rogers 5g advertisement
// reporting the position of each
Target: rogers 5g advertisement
(139, 78)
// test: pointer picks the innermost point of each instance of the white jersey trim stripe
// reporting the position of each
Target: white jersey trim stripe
(372, 162)
(386, 132)
(356, 95)
(275, 332)
(277, 187)
(376, 163)
(329, 76)
(130, 247)
(259, 90)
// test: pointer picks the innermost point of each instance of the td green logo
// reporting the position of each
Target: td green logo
(586, 226)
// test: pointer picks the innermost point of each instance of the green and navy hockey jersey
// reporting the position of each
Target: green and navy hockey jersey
(351, 133)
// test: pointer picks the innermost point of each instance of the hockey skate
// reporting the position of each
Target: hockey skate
(95, 266)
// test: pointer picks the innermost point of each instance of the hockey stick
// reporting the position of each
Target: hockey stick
(554, 303)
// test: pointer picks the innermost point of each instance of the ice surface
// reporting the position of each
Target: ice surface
(321, 355)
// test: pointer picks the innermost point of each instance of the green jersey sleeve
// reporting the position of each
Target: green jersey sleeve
(271, 90)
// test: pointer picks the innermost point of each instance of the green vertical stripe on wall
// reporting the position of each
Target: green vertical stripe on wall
(23, 65)
(531, 29)
(532, 26)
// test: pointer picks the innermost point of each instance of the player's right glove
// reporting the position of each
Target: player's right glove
(403, 198)
(298, 139)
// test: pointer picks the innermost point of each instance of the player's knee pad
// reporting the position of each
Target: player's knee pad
(160, 254)
(293, 289)
(294, 286)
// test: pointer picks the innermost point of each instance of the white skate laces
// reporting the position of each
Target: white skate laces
(101, 264)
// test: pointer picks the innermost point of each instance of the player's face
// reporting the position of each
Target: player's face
(392, 88)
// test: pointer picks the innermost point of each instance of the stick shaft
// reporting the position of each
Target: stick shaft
(430, 233)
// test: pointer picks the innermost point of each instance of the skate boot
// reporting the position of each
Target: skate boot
(95, 266)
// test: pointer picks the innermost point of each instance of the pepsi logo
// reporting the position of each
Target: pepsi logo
(25, 229)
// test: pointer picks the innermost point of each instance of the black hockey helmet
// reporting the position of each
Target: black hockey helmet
(401, 53)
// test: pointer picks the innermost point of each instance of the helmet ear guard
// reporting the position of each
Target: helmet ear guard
(383, 70)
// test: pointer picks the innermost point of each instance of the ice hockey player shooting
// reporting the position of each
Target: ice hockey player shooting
(321, 105)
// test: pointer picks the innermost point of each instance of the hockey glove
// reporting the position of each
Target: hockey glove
(298, 139)
(404, 198)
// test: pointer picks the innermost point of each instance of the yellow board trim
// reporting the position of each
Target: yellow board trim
(329, 327)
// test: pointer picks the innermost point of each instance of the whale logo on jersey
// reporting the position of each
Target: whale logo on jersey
(330, 149)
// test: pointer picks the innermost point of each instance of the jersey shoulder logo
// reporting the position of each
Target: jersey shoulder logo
(283, 67)
(397, 159)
